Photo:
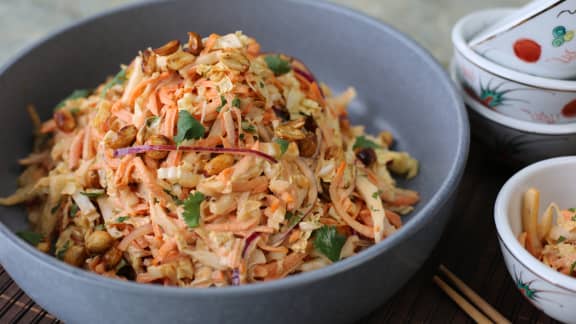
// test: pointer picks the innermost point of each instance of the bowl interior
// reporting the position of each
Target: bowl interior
(556, 180)
(386, 77)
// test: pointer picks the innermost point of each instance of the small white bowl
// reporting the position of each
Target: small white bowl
(517, 141)
(552, 292)
(538, 38)
(509, 92)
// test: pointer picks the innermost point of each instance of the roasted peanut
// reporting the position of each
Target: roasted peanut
(112, 257)
(307, 146)
(195, 45)
(123, 138)
(291, 130)
(75, 255)
(64, 121)
(43, 246)
(99, 242)
(148, 61)
(386, 138)
(157, 140)
(167, 49)
(219, 163)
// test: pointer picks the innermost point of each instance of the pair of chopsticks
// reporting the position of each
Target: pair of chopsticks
(487, 314)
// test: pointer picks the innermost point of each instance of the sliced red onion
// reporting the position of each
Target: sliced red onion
(235, 277)
(145, 148)
(249, 241)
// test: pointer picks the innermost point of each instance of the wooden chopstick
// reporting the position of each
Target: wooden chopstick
(22, 305)
(473, 296)
(475, 314)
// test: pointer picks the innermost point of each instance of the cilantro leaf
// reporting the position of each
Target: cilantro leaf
(329, 242)
(283, 144)
(363, 142)
(277, 64)
(118, 79)
(561, 239)
(76, 94)
(192, 209)
(122, 219)
(574, 218)
(572, 210)
(31, 237)
(60, 253)
(188, 127)
(236, 102)
(246, 126)
(222, 104)
(293, 219)
(572, 268)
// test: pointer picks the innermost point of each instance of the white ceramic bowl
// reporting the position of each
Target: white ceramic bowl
(518, 141)
(512, 93)
(538, 39)
(552, 292)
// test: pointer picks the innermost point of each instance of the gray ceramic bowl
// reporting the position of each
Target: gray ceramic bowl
(400, 87)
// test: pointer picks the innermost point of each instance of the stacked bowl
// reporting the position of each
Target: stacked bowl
(523, 117)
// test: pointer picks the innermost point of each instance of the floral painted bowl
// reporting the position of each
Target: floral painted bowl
(537, 39)
(509, 92)
(552, 292)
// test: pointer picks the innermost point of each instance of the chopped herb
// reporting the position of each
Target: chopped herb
(241, 136)
(118, 79)
(100, 227)
(236, 102)
(247, 127)
(192, 209)
(376, 194)
(277, 64)
(574, 218)
(62, 250)
(56, 207)
(151, 120)
(122, 219)
(561, 239)
(572, 267)
(223, 103)
(363, 142)
(293, 219)
(572, 210)
(93, 193)
(76, 94)
(74, 111)
(188, 127)
(261, 84)
(31, 237)
(73, 210)
(283, 144)
(329, 242)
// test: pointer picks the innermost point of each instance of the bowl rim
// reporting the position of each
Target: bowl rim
(510, 122)
(507, 237)
(420, 219)
(461, 46)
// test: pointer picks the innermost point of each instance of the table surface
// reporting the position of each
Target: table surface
(469, 246)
